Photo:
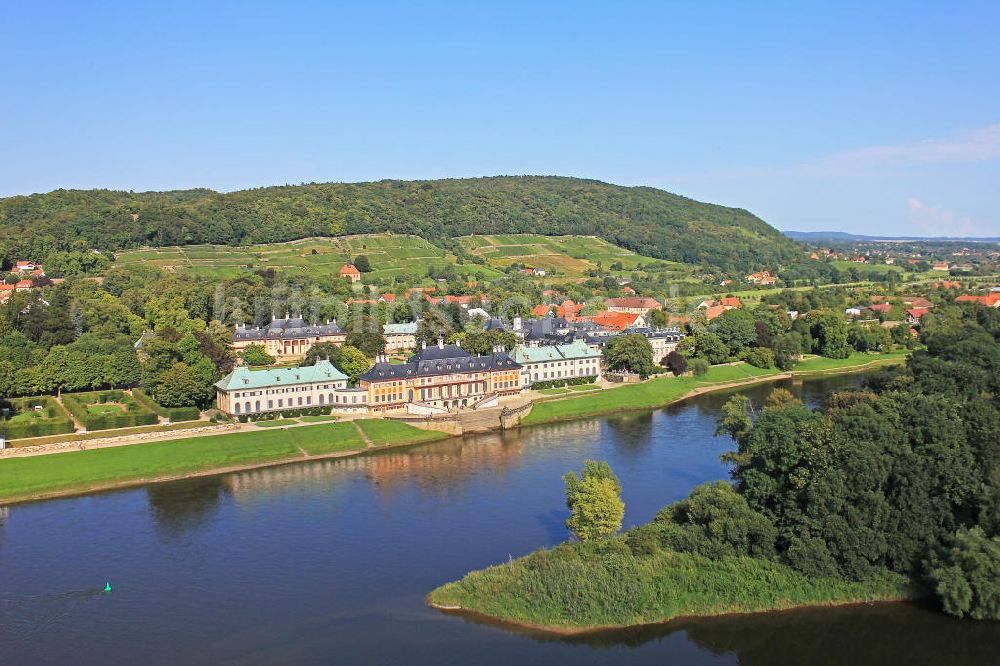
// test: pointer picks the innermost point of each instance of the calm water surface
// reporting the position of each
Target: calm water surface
(329, 561)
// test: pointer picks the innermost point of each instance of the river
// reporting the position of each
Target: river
(329, 561)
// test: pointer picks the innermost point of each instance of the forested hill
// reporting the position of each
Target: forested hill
(643, 219)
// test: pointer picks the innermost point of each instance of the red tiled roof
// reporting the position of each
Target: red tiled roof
(881, 307)
(634, 302)
(616, 320)
(714, 311)
(731, 302)
(540, 310)
(348, 269)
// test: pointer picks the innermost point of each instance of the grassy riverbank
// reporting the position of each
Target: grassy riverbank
(664, 390)
(579, 587)
(81, 471)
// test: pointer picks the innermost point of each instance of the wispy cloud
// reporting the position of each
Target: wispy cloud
(936, 220)
(977, 145)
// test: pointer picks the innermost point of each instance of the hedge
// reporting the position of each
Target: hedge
(559, 383)
(135, 414)
(56, 421)
(285, 414)
(172, 413)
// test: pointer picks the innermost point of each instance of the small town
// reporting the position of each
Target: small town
(558, 333)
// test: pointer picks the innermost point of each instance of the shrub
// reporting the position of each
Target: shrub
(968, 580)
(760, 357)
(559, 383)
(172, 413)
(699, 366)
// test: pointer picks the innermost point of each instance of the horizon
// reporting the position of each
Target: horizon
(895, 134)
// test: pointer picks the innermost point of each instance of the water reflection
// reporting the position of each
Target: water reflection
(184, 507)
(891, 633)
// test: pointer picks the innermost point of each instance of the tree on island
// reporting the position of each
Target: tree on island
(594, 501)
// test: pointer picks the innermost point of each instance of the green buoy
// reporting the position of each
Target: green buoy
(107, 587)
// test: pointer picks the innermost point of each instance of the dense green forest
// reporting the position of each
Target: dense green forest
(643, 219)
(892, 490)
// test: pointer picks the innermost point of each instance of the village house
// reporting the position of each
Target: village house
(991, 300)
(28, 268)
(913, 315)
(249, 392)
(351, 272)
(940, 265)
(617, 321)
(287, 339)
(762, 278)
(640, 305)
(400, 337)
(441, 377)
(549, 362)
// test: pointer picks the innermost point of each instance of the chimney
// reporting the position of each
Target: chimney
(423, 344)
(517, 323)
(459, 342)
(440, 343)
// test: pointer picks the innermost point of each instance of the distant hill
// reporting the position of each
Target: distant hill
(842, 237)
(645, 220)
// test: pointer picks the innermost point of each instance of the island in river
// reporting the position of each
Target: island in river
(890, 493)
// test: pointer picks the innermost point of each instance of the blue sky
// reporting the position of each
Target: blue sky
(831, 116)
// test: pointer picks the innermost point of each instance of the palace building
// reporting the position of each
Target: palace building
(441, 377)
(554, 362)
(246, 392)
(287, 339)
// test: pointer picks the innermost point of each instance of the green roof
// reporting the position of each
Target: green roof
(400, 329)
(245, 378)
(575, 349)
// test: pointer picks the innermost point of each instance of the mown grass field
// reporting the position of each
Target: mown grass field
(665, 389)
(820, 364)
(387, 431)
(567, 256)
(80, 471)
(590, 585)
(388, 254)
(646, 395)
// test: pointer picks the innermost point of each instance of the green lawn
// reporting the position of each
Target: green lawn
(318, 419)
(387, 431)
(328, 438)
(553, 391)
(583, 387)
(646, 395)
(275, 423)
(81, 470)
(105, 408)
(21, 478)
(819, 364)
(662, 390)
